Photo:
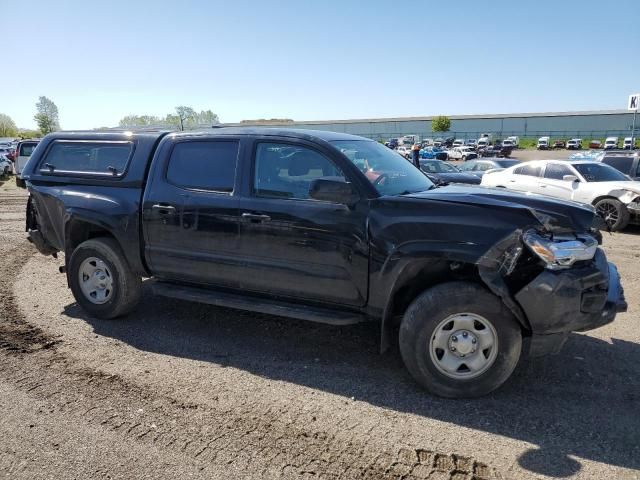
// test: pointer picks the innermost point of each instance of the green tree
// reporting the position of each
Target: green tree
(7, 126)
(139, 121)
(186, 116)
(47, 116)
(207, 117)
(441, 124)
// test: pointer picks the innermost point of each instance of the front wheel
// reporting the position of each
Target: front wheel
(614, 213)
(101, 280)
(458, 340)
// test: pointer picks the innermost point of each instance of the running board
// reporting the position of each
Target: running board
(256, 304)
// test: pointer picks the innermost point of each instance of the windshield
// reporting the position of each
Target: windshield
(437, 166)
(598, 172)
(389, 173)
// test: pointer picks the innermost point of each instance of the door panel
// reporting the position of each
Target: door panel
(191, 233)
(295, 246)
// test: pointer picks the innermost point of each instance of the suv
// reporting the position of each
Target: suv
(23, 152)
(325, 227)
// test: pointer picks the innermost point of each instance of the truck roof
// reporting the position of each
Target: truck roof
(213, 132)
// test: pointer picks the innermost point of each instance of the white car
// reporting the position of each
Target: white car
(508, 143)
(404, 151)
(6, 166)
(458, 142)
(471, 142)
(615, 196)
(461, 153)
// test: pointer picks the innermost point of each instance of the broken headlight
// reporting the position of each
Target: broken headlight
(561, 253)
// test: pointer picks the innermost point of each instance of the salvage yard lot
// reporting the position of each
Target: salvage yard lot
(180, 390)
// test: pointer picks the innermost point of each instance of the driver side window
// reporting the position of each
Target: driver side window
(286, 171)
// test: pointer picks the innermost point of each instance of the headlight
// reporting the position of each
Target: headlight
(562, 253)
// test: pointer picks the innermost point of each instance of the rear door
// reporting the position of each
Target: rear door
(190, 211)
(527, 179)
(295, 246)
(23, 153)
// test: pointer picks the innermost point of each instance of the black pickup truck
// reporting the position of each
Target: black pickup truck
(324, 227)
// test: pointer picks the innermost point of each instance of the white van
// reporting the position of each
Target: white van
(543, 143)
(23, 151)
(610, 142)
(515, 140)
(483, 142)
(627, 143)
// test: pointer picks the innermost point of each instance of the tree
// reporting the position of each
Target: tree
(441, 124)
(139, 121)
(186, 116)
(47, 116)
(207, 117)
(7, 126)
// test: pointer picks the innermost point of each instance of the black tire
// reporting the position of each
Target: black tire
(614, 213)
(127, 286)
(435, 305)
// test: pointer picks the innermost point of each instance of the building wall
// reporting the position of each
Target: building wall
(564, 124)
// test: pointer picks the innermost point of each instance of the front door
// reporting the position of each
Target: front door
(295, 246)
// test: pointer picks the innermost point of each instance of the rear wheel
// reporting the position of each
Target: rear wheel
(458, 340)
(613, 212)
(101, 280)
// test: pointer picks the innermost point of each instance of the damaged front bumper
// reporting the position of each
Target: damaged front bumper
(580, 298)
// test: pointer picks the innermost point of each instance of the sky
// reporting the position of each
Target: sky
(315, 60)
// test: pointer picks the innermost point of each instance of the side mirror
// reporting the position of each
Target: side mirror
(570, 178)
(333, 189)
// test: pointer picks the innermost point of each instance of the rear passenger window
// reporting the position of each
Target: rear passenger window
(204, 165)
(109, 158)
(557, 171)
(531, 170)
(26, 149)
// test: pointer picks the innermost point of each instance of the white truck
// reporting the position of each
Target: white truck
(543, 143)
(610, 143)
(627, 143)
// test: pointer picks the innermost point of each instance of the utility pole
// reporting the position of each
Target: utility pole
(633, 105)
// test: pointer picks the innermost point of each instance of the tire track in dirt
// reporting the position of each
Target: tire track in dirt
(249, 440)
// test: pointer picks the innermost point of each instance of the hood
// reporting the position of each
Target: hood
(456, 177)
(554, 215)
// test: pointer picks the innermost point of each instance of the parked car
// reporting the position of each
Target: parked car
(443, 173)
(471, 143)
(6, 166)
(543, 143)
(625, 162)
(628, 143)
(458, 142)
(611, 143)
(495, 151)
(481, 166)
(434, 153)
(508, 143)
(515, 140)
(404, 151)
(325, 227)
(23, 152)
(462, 153)
(559, 144)
(393, 143)
(595, 144)
(574, 144)
(615, 196)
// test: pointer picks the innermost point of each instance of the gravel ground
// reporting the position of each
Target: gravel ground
(180, 390)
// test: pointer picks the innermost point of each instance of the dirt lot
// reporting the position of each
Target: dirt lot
(181, 390)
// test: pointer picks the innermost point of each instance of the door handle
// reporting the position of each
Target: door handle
(164, 209)
(255, 218)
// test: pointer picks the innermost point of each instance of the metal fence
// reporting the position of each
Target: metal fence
(554, 134)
